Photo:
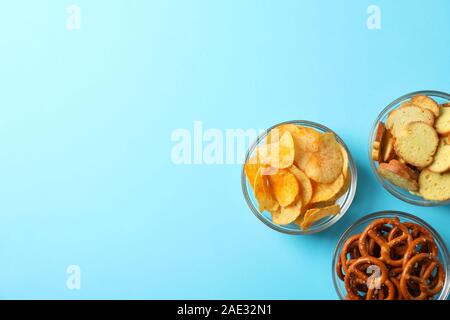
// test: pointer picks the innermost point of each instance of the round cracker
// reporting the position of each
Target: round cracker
(443, 122)
(417, 143)
(434, 186)
(441, 161)
(401, 117)
(426, 102)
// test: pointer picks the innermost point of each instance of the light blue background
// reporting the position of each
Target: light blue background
(86, 118)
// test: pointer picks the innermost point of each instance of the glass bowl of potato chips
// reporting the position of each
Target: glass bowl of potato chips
(299, 177)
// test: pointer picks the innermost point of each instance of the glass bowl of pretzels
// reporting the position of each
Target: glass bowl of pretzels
(409, 148)
(391, 255)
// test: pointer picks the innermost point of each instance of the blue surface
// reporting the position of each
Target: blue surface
(86, 118)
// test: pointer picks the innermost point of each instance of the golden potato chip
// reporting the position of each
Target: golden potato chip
(345, 166)
(306, 142)
(327, 191)
(308, 139)
(345, 187)
(306, 189)
(263, 154)
(299, 220)
(251, 169)
(323, 204)
(302, 159)
(263, 193)
(287, 215)
(284, 186)
(275, 134)
(326, 164)
(314, 215)
(282, 152)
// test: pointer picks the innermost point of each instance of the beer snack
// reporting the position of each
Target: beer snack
(298, 174)
(390, 260)
(412, 150)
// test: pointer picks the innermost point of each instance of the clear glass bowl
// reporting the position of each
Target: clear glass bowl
(398, 192)
(359, 226)
(344, 201)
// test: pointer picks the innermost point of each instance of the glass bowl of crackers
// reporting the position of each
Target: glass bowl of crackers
(391, 255)
(409, 148)
(299, 177)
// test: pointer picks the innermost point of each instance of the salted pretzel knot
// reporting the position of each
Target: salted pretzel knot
(427, 245)
(350, 248)
(417, 230)
(386, 245)
(386, 292)
(428, 263)
(357, 274)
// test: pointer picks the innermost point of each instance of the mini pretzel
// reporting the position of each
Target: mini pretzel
(417, 230)
(386, 245)
(350, 247)
(396, 283)
(422, 241)
(387, 292)
(428, 263)
(355, 275)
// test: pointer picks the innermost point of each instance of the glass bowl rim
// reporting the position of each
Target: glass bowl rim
(387, 186)
(439, 241)
(346, 205)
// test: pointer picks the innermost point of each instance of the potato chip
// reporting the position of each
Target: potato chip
(263, 154)
(306, 189)
(326, 164)
(327, 191)
(282, 152)
(285, 187)
(345, 187)
(302, 159)
(263, 193)
(275, 134)
(323, 204)
(306, 142)
(345, 162)
(251, 169)
(314, 215)
(287, 215)
(308, 139)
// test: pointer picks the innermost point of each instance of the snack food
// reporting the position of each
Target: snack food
(377, 154)
(426, 103)
(298, 174)
(443, 121)
(401, 117)
(434, 186)
(441, 161)
(391, 260)
(414, 139)
(399, 174)
(417, 143)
